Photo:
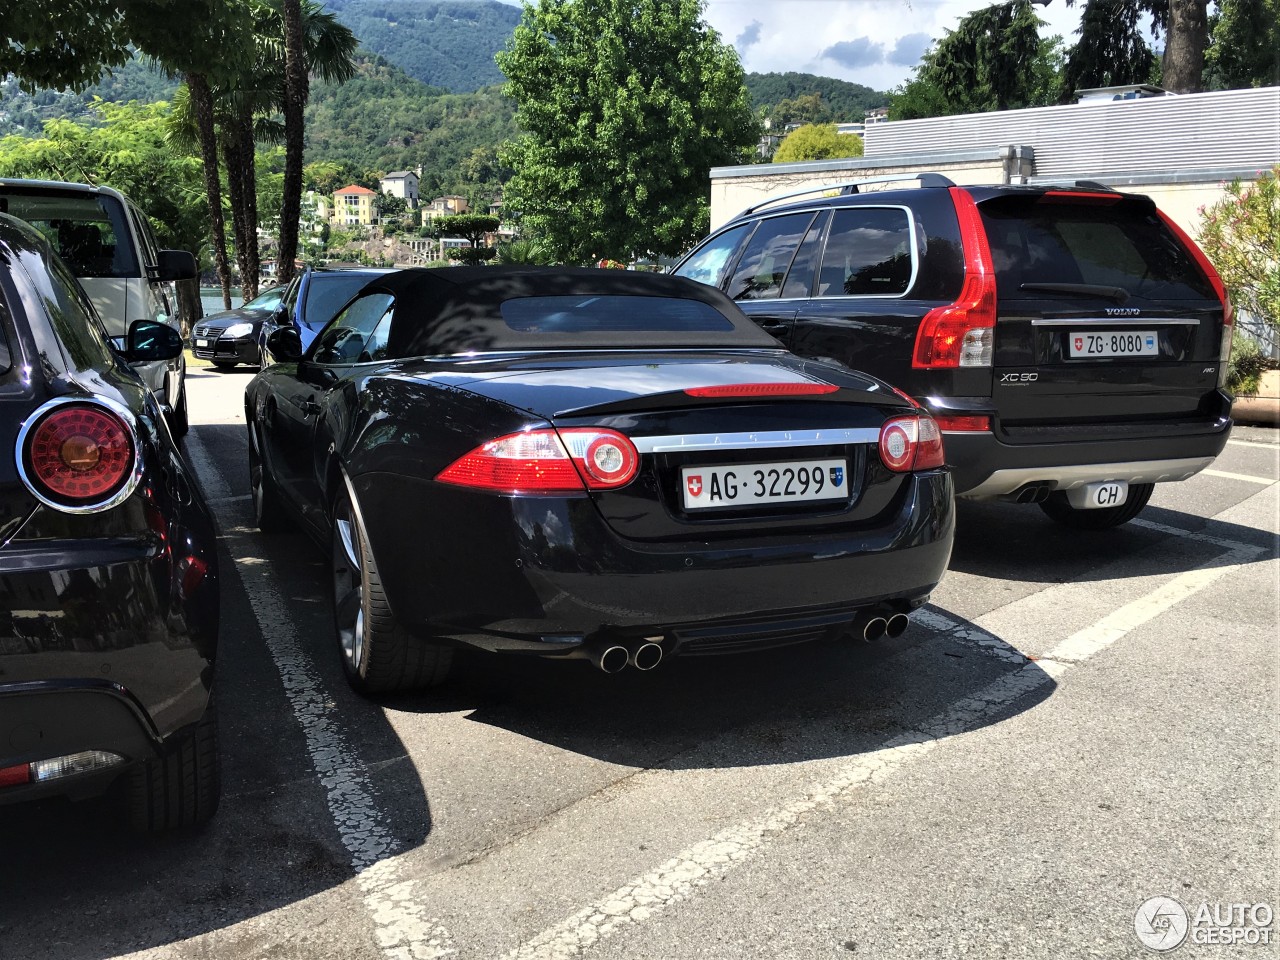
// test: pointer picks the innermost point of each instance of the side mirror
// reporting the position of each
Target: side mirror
(176, 265)
(285, 345)
(151, 340)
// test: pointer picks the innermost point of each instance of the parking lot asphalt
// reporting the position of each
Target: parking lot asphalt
(1075, 724)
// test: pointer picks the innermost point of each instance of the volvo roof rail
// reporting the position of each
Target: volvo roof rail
(851, 186)
(1095, 185)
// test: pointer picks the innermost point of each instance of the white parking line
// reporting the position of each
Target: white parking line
(1265, 481)
(402, 928)
(680, 877)
(1254, 443)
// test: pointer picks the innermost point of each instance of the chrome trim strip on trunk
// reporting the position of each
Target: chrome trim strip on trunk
(1076, 475)
(757, 440)
(1116, 322)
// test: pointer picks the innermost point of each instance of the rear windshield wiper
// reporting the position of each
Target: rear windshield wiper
(1118, 294)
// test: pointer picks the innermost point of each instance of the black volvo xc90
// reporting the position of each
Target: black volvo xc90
(1071, 342)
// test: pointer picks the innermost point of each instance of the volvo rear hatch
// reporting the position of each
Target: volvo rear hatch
(1111, 323)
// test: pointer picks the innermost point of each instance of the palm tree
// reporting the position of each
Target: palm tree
(313, 41)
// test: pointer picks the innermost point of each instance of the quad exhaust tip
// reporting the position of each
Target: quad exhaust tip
(646, 656)
(874, 629)
(897, 625)
(611, 659)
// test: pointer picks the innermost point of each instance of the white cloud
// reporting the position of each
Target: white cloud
(840, 38)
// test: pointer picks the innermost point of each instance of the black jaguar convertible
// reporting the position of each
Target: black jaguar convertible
(589, 463)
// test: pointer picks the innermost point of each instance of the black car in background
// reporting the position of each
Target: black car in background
(1072, 343)
(234, 336)
(312, 299)
(108, 571)
(588, 463)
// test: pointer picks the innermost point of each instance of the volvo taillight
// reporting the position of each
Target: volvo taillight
(547, 461)
(911, 443)
(962, 334)
(1219, 288)
(79, 456)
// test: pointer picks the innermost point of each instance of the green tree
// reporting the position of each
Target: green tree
(805, 108)
(1241, 235)
(995, 59)
(127, 149)
(817, 142)
(1244, 48)
(1112, 49)
(626, 104)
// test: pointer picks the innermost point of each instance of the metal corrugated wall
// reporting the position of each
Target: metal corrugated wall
(1227, 129)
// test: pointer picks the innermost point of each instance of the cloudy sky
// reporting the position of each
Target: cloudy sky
(873, 42)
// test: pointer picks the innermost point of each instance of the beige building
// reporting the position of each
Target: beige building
(1179, 150)
(445, 207)
(353, 205)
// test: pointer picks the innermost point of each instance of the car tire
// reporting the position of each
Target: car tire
(180, 788)
(1105, 518)
(179, 421)
(268, 507)
(378, 654)
(225, 365)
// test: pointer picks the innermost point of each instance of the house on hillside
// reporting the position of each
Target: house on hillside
(353, 205)
(445, 207)
(403, 184)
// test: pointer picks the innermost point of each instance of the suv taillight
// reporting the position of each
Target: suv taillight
(542, 461)
(1219, 288)
(962, 334)
(78, 456)
(911, 443)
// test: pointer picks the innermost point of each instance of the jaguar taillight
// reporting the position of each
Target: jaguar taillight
(79, 456)
(911, 443)
(547, 461)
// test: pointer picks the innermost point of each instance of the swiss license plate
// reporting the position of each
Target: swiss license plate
(1130, 343)
(748, 484)
(1097, 496)
(201, 343)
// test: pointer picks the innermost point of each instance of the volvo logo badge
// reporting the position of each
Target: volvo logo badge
(1123, 311)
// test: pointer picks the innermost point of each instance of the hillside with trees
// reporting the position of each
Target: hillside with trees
(443, 43)
(787, 97)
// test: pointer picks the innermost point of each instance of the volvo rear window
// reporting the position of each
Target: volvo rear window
(1037, 242)
(89, 231)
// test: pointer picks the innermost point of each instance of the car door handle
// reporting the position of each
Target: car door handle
(309, 408)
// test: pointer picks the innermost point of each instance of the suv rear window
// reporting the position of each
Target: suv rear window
(1106, 243)
(89, 231)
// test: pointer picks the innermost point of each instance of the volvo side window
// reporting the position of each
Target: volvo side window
(710, 264)
(804, 267)
(768, 256)
(869, 253)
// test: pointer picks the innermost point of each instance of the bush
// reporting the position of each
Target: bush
(1241, 235)
(1248, 364)
(473, 256)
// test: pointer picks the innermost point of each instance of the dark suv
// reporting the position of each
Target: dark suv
(1071, 342)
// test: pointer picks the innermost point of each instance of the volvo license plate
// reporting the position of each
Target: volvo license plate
(748, 484)
(1131, 343)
